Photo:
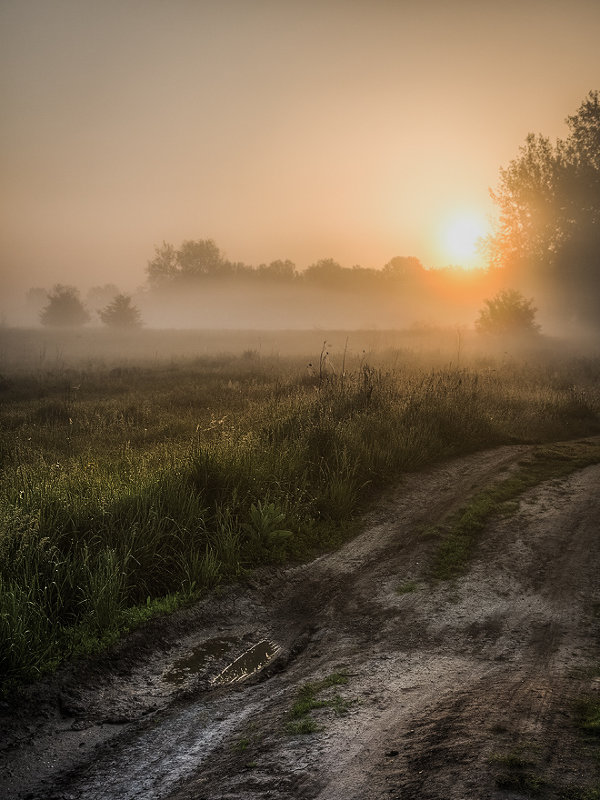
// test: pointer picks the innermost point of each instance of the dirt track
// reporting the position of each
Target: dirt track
(447, 684)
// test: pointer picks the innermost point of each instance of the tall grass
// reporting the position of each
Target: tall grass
(120, 487)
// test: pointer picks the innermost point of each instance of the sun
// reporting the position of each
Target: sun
(459, 239)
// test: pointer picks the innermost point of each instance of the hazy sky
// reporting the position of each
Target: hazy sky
(297, 129)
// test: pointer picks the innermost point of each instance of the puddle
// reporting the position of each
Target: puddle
(248, 663)
(194, 663)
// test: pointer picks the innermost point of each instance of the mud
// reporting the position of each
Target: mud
(449, 684)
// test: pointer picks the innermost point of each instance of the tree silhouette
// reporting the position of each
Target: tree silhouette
(121, 313)
(64, 308)
(163, 267)
(404, 267)
(507, 313)
(201, 257)
(549, 201)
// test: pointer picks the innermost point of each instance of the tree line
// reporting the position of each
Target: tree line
(197, 260)
(548, 235)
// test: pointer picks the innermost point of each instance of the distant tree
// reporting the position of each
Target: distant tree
(507, 313)
(195, 259)
(326, 270)
(201, 257)
(163, 267)
(404, 267)
(278, 270)
(121, 313)
(549, 202)
(64, 308)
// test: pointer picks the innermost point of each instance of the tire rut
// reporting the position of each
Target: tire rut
(439, 679)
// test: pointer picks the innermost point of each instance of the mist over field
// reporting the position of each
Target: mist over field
(299, 399)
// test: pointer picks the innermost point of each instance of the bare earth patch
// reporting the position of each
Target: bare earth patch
(420, 689)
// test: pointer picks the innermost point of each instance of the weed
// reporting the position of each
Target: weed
(161, 480)
(527, 783)
(512, 760)
(301, 727)
(407, 587)
(308, 701)
(588, 709)
(516, 774)
(242, 744)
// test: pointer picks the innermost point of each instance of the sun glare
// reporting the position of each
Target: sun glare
(460, 236)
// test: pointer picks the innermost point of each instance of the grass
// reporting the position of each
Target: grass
(129, 490)
(407, 587)
(588, 711)
(516, 774)
(459, 536)
(308, 700)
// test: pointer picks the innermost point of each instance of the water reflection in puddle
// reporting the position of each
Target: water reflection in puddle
(196, 661)
(249, 662)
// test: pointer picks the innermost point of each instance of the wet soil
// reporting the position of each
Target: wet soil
(456, 689)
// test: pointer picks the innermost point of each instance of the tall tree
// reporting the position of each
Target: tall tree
(549, 202)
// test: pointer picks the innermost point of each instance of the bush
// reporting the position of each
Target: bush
(507, 313)
(121, 313)
(64, 308)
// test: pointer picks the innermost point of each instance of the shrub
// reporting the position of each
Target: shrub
(64, 308)
(507, 313)
(121, 313)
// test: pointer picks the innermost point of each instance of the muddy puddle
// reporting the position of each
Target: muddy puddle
(252, 660)
(198, 659)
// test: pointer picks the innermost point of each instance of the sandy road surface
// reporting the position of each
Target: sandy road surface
(449, 685)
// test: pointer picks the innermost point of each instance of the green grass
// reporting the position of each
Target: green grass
(128, 491)
(302, 727)
(308, 700)
(407, 587)
(577, 792)
(588, 710)
(515, 773)
(458, 537)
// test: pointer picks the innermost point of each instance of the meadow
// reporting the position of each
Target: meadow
(140, 471)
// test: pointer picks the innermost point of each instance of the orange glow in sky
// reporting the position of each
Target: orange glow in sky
(331, 129)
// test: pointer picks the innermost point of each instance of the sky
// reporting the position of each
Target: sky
(301, 129)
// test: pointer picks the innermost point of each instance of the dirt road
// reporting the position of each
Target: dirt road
(458, 689)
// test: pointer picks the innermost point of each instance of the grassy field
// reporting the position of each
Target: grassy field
(134, 479)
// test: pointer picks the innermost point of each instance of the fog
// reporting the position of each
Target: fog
(353, 300)
(291, 130)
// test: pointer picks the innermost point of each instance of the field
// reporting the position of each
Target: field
(134, 479)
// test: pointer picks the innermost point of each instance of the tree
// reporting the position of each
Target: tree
(163, 267)
(326, 271)
(201, 257)
(196, 258)
(549, 202)
(404, 267)
(507, 313)
(277, 271)
(64, 308)
(121, 313)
